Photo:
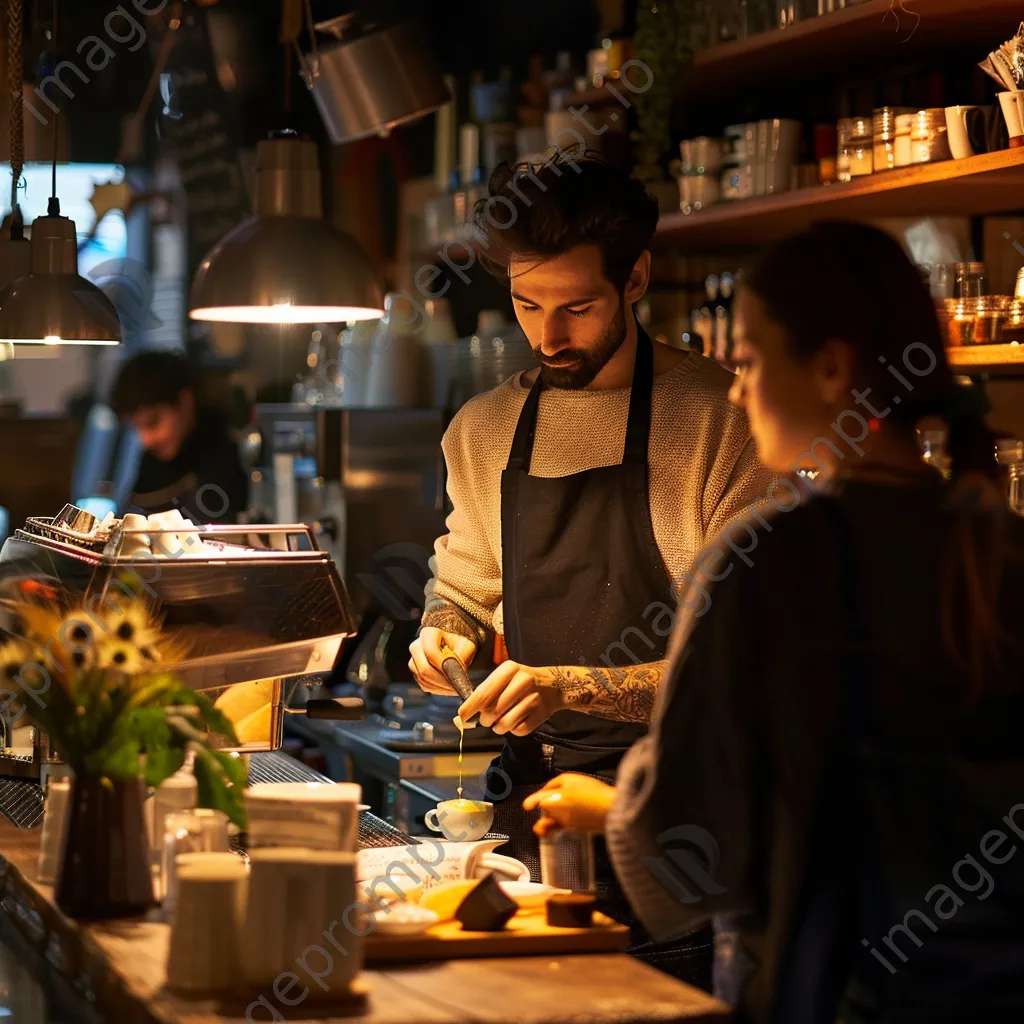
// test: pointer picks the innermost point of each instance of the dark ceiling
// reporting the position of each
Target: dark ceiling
(467, 35)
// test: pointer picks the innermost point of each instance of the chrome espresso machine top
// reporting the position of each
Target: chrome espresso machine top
(249, 604)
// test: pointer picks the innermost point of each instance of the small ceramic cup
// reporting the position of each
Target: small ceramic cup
(463, 821)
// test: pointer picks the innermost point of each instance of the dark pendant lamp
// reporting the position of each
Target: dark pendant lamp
(53, 304)
(287, 265)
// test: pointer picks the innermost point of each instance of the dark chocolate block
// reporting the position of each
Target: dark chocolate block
(570, 910)
(486, 908)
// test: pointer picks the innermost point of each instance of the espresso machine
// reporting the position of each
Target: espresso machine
(258, 609)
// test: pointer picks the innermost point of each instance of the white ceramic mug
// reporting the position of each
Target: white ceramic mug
(302, 916)
(956, 132)
(1012, 106)
(461, 820)
(133, 542)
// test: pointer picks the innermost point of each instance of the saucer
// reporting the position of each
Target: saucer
(404, 919)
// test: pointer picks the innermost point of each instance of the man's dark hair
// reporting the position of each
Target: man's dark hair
(541, 212)
(149, 379)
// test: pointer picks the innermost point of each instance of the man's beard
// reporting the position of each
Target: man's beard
(574, 369)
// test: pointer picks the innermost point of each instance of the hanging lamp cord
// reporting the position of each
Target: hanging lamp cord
(15, 22)
(53, 206)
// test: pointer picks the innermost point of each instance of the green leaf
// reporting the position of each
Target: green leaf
(220, 779)
(120, 763)
(215, 719)
(164, 748)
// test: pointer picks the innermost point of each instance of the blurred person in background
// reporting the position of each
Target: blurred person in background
(836, 762)
(190, 461)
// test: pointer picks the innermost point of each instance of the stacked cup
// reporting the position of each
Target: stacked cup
(302, 897)
(206, 926)
(302, 910)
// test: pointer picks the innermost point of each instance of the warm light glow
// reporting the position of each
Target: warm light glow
(6, 351)
(284, 313)
(53, 339)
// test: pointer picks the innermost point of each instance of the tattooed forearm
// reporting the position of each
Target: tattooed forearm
(450, 618)
(622, 694)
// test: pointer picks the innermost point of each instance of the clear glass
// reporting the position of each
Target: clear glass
(567, 860)
(943, 282)
(970, 280)
(202, 830)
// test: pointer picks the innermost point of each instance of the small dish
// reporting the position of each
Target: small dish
(529, 894)
(404, 919)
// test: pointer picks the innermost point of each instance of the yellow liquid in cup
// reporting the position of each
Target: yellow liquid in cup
(461, 726)
(466, 806)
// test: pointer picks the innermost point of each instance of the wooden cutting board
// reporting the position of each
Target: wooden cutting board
(527, 934)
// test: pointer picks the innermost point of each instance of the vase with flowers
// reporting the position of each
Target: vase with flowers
(98, 679)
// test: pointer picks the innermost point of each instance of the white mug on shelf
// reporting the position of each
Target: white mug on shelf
(956, 131)
(1012, 105)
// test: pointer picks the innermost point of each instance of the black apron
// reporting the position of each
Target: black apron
(580, 565)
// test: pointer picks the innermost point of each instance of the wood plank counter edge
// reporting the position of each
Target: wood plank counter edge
(118, 968)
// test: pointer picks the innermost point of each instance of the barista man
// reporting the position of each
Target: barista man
(190, 461)
(581, 490)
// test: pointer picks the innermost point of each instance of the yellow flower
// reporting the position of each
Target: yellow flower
(131, 624)
(121, 657)
(14, 656)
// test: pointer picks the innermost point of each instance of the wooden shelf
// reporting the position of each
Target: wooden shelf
(864, 34)
(985, 184)
(987, 359)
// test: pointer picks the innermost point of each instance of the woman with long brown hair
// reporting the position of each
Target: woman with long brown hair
(837, 760)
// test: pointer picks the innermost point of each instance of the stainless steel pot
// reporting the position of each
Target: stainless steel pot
(371, 81)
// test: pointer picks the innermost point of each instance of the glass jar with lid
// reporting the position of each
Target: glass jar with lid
(861, 146)
(969, 280)
(843, 128)
(901, 145)
(884, 125)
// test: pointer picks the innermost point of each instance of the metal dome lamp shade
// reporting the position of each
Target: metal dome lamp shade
(286, 265)
(53, 304)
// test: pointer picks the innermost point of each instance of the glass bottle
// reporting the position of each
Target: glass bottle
(1010, 453)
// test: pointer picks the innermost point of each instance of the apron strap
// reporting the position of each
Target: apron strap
(638, 422)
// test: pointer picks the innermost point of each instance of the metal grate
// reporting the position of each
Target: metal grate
(374, 831)
(21, 802)
(277, 767)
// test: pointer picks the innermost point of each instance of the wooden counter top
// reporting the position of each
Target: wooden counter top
(118, 966)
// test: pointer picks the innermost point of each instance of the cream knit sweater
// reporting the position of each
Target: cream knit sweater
(703, 473)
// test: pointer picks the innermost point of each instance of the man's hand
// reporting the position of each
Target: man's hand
(427, 657)
(572, 801)
(514, 698)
